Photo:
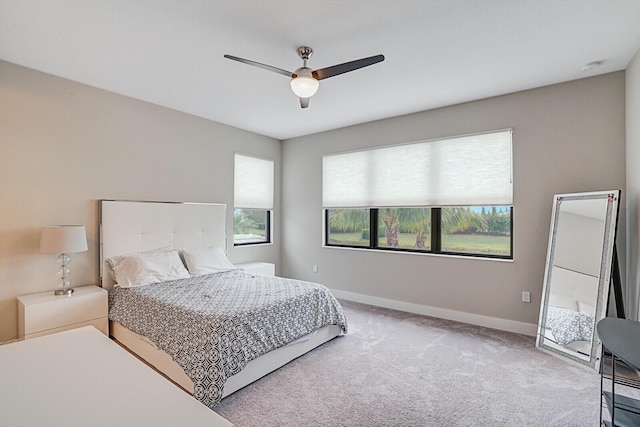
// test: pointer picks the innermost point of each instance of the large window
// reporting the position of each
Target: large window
(253, 200)
(471, 230)
(450, 196)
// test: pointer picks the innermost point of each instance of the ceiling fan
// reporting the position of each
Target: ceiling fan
(304, 80)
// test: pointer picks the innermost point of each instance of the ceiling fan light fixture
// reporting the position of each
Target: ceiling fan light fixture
(304, 86)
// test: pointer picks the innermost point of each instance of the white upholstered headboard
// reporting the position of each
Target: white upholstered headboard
(130, 226)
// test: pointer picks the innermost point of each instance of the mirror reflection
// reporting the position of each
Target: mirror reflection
(577, 273)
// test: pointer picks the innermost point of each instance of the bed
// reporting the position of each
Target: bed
(570, 318)
(159, 321)
(82, 378)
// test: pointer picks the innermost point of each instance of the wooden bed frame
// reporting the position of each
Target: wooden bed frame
(131, 226)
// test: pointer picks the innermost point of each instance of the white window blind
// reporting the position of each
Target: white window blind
(460, 171)
(253, 183)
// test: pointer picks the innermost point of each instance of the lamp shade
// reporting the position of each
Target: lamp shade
(63, 239)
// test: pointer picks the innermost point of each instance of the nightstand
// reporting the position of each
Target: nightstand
(44, 313)
(261, 268)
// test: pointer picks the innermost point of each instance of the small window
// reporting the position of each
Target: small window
(251, 226)
(348, 227)
(479, 230)
(404, 228)
(253, 200)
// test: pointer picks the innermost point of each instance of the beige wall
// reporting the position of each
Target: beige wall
(567, 138)
(64, 145)
(632, 76)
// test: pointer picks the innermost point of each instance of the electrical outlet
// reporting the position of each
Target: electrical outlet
(315, 268)
(526, 296)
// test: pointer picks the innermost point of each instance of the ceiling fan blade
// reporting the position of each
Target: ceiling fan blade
(304, 102)
(325, 73)
(263, 66)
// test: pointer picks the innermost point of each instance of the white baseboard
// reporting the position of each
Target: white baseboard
(442, 313)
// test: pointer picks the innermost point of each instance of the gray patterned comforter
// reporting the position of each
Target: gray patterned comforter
(214, 325)
(569, 326)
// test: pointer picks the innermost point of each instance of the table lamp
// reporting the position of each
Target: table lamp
(63, 240)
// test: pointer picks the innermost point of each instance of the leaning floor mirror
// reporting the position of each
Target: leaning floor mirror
(577, 276)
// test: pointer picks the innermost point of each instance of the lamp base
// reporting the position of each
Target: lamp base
(66, 292)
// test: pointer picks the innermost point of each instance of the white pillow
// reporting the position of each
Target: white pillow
(146, 268)
(585, 308)
(206, 261)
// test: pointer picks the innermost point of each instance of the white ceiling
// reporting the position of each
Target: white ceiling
(438, 52)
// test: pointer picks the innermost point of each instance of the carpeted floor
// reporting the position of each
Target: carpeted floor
(401, 369)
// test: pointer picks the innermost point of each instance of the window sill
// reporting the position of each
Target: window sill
(251, 245)
(429, 254)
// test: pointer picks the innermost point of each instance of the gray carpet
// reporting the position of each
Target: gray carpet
(402, 369)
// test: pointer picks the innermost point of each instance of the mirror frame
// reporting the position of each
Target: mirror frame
(604, 281)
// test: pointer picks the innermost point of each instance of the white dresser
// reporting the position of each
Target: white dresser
(44, 313)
